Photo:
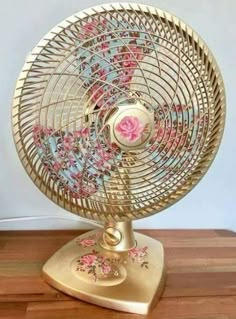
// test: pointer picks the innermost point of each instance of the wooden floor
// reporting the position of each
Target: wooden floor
(201, 284)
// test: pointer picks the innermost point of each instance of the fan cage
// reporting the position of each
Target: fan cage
(177, 78)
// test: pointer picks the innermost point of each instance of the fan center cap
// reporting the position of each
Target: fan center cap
(132, 126)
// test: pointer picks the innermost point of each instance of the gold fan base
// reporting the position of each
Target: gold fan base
(130, 281)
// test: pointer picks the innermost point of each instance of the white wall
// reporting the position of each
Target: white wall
(210, 205)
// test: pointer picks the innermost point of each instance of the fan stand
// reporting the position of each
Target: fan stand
(113, 268)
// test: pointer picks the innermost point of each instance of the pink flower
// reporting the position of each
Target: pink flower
(129, 60)
(179, 108)
(104, 46)
(137, 252)
(67, 142)
(132, 56)
(88, 260)
(99, 164)
(87, 242)
(88, 190)
(153, 148)
(37, 135)
(48, 131)
(125, 77)
(71, 161)
(91, 29)
(62, 153)
(37, 128)
(169, 137)
(117, 58)
(103, 154)
(106, 269)
(56, 166)
(82, 132)
(38, 141)
(97, 91)
(102, 74)
(160, 133)
(131, 128)
(113, 147)
(88, 30)
(137, 53)
(76, 175)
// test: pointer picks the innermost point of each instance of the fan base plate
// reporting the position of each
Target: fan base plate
(130, 281)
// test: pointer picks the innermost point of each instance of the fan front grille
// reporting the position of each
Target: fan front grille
(79, 72)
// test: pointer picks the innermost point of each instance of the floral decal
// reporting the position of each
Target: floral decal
(93, 263)
(79, 168)
(89, 241)
(138, 254)
(131, 128)
(108, 53)
(99, 265)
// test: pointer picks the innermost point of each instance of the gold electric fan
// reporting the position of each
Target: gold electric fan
(118, 113)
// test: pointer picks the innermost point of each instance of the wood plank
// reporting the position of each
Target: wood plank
(168, 308)
(193, 265)
(187, 233)
(16, 310)
(221, 242)
(24, 285)
(73, 309)
(200, 284)
(219, 307)
(200, 252)
(55, 296)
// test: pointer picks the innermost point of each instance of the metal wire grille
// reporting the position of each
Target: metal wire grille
(75, 77)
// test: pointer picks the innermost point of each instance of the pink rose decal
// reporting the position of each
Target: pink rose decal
(87, 242)
(57, 166)
(125, 77)
(106, 269)
(99, 265)
(132, 57)
(131, 128)
(76, 176)
(102, 73)
(137, 252)
(91, 29)
(68, 142)
(97, 91)
(88, 260)
(84, 132)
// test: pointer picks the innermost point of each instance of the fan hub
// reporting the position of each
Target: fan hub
(131, 126)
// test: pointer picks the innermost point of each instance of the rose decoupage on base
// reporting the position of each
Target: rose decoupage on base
(130, 281)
